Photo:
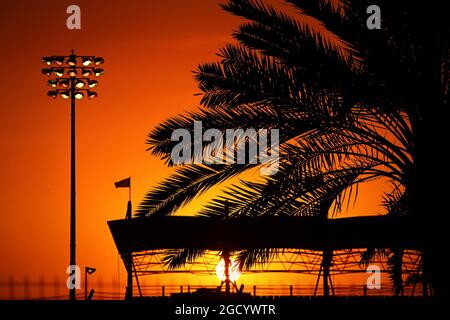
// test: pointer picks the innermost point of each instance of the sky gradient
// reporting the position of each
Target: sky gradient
(150, 49)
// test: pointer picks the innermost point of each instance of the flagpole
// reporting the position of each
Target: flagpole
(129, 294)
(127, 257)
(129, 190)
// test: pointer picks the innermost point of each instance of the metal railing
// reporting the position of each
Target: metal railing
(41, 289)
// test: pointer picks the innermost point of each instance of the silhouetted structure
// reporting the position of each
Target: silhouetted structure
(149, 233)
(139, 236)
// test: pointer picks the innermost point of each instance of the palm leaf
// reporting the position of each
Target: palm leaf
(184, 185)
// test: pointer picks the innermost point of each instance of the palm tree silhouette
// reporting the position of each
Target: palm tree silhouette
(357, 106)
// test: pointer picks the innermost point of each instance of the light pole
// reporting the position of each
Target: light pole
(87, 270)
(72, 78)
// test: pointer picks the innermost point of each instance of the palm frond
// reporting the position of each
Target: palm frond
(289, 124)
(281, 36)
(184, 185)
(397, 202)
(395, 265)
(178, 258)
(370, 254)
(245, 77)
(248, 258)
(291, 191)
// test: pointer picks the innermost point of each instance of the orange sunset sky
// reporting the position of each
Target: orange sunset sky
(150, 49)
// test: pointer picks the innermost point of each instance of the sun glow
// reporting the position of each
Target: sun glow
(234, 270)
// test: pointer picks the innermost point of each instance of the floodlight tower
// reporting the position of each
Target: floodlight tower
(73, 77)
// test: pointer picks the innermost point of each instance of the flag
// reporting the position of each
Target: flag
(125, 183)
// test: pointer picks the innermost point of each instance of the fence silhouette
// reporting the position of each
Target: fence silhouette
(284, 290)
(56, 289)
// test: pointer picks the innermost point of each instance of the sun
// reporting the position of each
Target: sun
(234, 270)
